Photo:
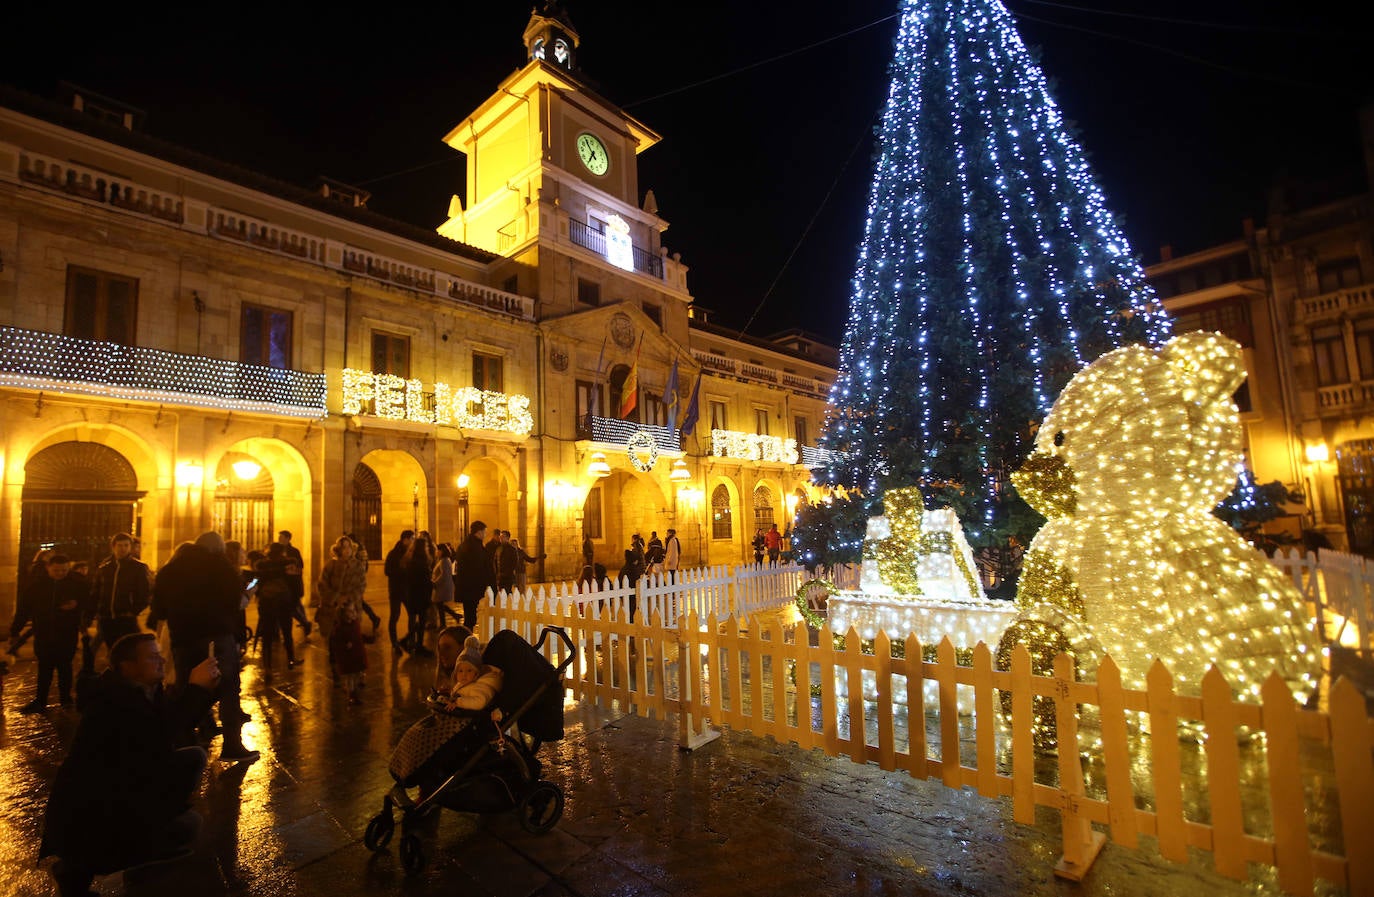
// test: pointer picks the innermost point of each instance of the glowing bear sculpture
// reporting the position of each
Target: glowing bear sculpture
(1138, 449)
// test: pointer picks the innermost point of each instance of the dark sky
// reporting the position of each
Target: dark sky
(1189, 111)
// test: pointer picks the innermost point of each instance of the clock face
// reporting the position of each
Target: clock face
(593, 154)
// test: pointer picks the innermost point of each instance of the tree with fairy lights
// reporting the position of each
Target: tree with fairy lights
(989, 273)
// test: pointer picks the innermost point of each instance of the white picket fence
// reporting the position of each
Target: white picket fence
(710, 593)
(1335, 583)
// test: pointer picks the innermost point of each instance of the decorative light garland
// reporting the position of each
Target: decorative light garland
(467, 407)
(753, 447)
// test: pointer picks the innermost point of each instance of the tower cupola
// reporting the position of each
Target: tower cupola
(550, 36)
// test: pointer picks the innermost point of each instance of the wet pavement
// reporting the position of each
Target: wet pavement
(742, 814)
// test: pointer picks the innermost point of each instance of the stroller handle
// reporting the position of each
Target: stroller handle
(567, 642)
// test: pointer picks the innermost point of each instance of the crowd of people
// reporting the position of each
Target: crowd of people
(140, 746)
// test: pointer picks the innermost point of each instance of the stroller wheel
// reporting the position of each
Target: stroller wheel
(541, 808)
(379, 831)
(412, 857)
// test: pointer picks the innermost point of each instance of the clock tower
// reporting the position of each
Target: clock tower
(553, 182)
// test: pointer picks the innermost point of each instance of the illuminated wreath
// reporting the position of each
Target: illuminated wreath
(642, 451)
(813, 619)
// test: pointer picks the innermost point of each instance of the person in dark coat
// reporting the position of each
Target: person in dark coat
(506, 562)
(474, 574)
(276, 604)
(199, 593)
(418, 566)
(295, 576)
(122, 796)
(53, 604)
(396, 581)
(120, 591)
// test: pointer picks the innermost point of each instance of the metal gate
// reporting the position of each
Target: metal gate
(76, 496)
(246, 519)
(367, 510)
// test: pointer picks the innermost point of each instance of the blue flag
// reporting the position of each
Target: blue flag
(689, 417)
(670, 393)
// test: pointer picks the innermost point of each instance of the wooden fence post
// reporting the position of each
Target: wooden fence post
(690, 711)
(1287, 804)
(1223, 776)
(1351, 747)
(1165, 765)
(1081, 843)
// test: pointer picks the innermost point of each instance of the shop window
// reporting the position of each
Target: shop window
(265, 337)
(100, 306)
(721, 521)
(391, 354)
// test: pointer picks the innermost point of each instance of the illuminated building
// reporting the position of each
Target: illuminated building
(1298, 294)
(170, 324)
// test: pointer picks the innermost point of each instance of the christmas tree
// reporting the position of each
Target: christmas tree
(990, 271)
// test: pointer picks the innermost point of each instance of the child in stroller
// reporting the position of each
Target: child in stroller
(488, 765)
(463, 682)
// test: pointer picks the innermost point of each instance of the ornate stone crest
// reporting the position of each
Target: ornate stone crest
(558, 358)
(622, 330)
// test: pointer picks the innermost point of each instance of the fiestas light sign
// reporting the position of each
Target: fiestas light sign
(753, 447)
(467, 407)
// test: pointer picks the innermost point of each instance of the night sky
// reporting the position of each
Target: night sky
(1189, 111)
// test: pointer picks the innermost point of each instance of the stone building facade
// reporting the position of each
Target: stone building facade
(185, 345)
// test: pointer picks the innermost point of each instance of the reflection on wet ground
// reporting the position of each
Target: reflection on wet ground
(642, 817)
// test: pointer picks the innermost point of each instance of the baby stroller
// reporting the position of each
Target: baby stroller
(492, 767)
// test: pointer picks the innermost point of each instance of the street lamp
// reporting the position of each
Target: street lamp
(680, 473)
(599, 466)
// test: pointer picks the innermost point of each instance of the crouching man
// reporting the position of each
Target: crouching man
(122, 797)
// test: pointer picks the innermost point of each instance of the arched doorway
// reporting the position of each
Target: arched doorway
(367, 510)
(618, 506)
(402, 494)
(243, 510)
(76, 496)
(485, 492)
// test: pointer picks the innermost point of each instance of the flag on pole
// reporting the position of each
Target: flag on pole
(596, 387)
(689, 417)
(629, 391)
(670, 399)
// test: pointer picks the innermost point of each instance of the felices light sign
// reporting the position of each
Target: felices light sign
(753, 447)
(466, 407)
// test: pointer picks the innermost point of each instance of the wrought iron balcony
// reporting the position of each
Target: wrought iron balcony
(612, 431)
(588, 237)
(39, 360)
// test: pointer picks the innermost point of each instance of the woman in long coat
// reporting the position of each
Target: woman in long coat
(343, 581)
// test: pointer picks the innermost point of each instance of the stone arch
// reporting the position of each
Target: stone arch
(405, 493)
(367, 509)
(287, 472)
(242, 505)
(77, 495)
(631, 502)
(487, 492)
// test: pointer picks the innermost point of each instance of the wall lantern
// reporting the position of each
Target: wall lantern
(247, 470)
(1317, 452)
(599, 466)
(680, 472)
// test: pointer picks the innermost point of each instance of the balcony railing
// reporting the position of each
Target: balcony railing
(615, 432)
(51, 361)
(93, 185)
(1344, 397)
(757, 373)
(99, 186)
(1331, 304)
(814, 457)
(588, 237)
